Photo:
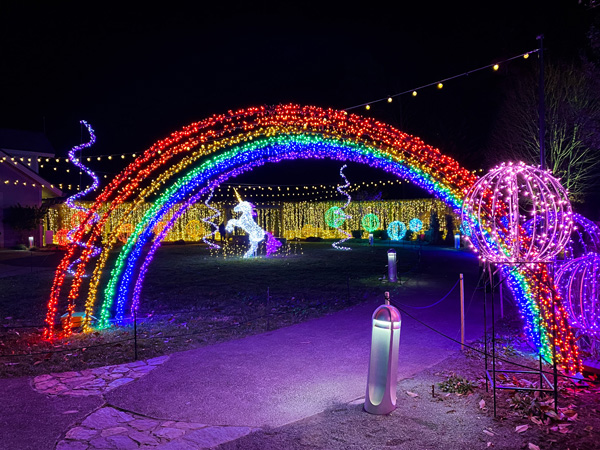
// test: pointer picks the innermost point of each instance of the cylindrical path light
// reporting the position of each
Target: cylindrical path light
(383, 364)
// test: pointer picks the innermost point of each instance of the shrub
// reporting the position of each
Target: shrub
(456, 384)
(314, 239)
(380, 234)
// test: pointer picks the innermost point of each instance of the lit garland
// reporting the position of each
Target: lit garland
(239, 141)
(440, 84)
(341, 212)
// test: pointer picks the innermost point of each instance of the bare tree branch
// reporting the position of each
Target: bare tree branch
(572, 112)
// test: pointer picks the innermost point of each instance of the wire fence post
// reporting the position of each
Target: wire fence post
(135, 349)
(462, 312)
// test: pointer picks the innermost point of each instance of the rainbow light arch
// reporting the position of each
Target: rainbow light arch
(178, 171)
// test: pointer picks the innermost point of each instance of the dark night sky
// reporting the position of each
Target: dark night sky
(139, 73)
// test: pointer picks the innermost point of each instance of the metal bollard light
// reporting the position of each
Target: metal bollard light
(392, 267)
(383, 363)
(457, 241)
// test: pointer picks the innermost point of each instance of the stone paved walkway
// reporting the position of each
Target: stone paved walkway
(111, 428)
(94, 381)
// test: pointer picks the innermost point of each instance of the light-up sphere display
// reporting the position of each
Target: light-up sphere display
(335, 217)
(194, 229)
(370, 222)
(396, 230)
(60, 238)
(578, 281)
(415, 225)
(585, 238)
(498, 207)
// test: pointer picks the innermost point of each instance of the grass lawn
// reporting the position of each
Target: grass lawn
(191, 298)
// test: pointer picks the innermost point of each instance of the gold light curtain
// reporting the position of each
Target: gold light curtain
(284, 219)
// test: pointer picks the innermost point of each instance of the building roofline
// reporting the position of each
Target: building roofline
(33, 177)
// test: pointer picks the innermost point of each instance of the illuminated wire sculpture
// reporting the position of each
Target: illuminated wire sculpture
(370, 222)
(246, 222)
(396, 230)
(585, 238)
(498, 207)
(343, 214)
(415, 225)
(335, 217)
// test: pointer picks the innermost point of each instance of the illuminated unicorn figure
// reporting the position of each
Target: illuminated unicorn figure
(247, 223)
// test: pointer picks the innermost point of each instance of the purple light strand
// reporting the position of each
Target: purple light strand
(272, 243)
(71, 200)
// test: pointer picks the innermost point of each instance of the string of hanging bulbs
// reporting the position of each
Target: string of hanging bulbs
(440, 83)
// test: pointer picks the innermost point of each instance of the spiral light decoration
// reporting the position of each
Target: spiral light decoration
(497, 208)
(343, 214)
(82, 211)
(209, 220)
